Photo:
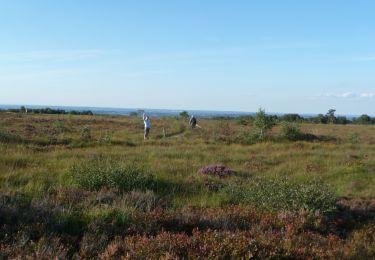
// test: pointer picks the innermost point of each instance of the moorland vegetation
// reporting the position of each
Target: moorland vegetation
(89, 186)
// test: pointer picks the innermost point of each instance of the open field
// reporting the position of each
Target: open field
(90, 186)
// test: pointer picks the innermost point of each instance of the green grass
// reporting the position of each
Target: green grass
(340, 163)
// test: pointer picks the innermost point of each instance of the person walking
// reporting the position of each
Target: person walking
(193, 122)
(146, 121)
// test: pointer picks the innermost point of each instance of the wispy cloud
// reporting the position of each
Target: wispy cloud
(347, 95)
(367, 95)
(339, 95)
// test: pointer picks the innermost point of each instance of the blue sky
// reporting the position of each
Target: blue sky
(285, 56)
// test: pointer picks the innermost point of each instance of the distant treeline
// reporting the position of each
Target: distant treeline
(47, 111)
(328, 118)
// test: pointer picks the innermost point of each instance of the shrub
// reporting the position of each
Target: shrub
(184, 114)
(216, 170)
(8, 137)
(100, 173)
(248, 138)
(291, 118)
(245, 120)
(291, 132)
(263, 123)
(354, 138)
(280, 194)
(105, 138)
(86, 133)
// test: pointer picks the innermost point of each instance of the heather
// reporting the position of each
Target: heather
(216, 170)
(85, 186)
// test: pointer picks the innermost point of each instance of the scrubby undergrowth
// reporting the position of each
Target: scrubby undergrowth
(51, 227)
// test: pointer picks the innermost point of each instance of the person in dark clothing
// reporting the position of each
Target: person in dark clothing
(193, 122)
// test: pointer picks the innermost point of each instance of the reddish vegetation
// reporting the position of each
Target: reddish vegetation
(216, 170)
(232, 232)
(244, 233)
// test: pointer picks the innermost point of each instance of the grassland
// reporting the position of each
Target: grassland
(90, 186)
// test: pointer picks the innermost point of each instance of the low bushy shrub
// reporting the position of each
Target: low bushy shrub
(354, 138)
(292, 132)
(9, 137)
(86, 133)
(105, 138)
(100, 173)
(248, 138)
(280, 194)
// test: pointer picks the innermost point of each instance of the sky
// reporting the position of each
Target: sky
(284, 56)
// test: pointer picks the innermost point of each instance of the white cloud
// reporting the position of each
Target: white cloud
(339, 95)
(367, 95)
(347, 95)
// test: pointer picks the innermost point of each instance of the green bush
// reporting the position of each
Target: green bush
(100, 173)
(8, 137)
(248, 138)
(263, 123)
(354, 138)
(291, 132)
(184, 114)
(105, 138)
(280, 194)
(86, 133)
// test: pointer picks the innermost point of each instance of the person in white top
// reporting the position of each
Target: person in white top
(146, 121)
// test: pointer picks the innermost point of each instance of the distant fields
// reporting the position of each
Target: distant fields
(90, 186)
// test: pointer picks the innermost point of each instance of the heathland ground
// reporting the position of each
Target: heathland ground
(90, 186)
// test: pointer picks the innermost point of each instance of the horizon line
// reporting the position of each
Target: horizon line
(173, 109)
